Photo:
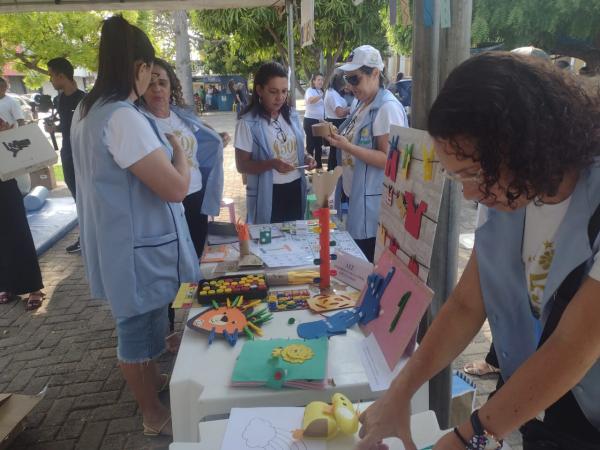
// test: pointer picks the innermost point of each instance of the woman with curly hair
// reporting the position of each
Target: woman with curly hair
(522, 138)
(202, 145)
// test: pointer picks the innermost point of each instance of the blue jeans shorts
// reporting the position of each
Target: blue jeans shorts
(142, 338)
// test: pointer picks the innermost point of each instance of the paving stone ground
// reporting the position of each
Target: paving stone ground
(68, 347)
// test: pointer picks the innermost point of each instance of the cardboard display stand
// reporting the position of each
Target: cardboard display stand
(24, 150)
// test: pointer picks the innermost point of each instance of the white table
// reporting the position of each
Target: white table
(200, 384)
(424, 428)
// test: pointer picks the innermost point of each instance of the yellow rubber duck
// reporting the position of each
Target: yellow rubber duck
(324, 421)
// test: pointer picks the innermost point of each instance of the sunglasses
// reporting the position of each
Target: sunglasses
(353, 80)
(281, 136)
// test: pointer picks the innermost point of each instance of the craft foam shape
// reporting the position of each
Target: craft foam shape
(324, 421)
(376, 286)
(391, 166)
(406, 157)
(401, 316)
(389, 198)
(324, 184)
(413, 265)
(428, 157)
(412, 221)
(330, 326)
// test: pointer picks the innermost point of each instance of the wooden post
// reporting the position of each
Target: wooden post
(435, 53)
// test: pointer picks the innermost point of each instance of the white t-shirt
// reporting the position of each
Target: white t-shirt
(541, 224)
(314, 110)
(175, 126)
(129, 136)
(280, 138)
(333, 100)
(10, 110)
(389, 113)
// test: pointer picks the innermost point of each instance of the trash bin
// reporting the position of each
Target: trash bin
(225, 102)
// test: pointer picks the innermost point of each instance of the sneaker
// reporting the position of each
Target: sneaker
(74, 248)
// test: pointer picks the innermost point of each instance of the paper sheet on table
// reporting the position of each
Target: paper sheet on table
(266, 428)
(283, 253)
(378, 373)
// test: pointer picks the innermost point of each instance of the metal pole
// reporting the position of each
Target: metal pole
(289, 7)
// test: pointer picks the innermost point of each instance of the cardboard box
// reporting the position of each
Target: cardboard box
(13, 410)
(43, 177)
(24, 150)
(323, 129)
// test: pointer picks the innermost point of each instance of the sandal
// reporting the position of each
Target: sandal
(35, 300)
(6, 297)
(165, 385)
(480, 368)
(149, 431)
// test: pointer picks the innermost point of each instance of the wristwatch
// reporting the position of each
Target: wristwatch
(482, 439)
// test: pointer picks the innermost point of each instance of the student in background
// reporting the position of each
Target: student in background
(269, 148)
(314, 113)
(134, 238)
(336, 109)
(11, 113)
(363, 141)
(61, 76)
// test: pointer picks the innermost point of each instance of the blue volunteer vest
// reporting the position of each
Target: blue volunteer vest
(259, 188)
(210, 160)
(367, 181)
(504, 285)
(136, 247)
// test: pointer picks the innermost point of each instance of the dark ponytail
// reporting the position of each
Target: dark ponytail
(121, 46)
(262, 76)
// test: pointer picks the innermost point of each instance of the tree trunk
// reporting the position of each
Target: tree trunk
(182, 49)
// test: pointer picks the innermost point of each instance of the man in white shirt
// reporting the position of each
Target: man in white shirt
(10, 111)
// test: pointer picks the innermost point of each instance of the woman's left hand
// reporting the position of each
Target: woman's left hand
(449, 442)
(310, 161)
(338, 141)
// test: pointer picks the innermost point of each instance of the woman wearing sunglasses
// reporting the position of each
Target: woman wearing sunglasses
(364, 143)
(522, 138)
(269, 149)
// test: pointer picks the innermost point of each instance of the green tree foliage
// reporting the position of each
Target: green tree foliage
(565, 27)
(249, 36)
(29, 40)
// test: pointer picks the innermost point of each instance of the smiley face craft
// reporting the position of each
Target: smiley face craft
(231, 320)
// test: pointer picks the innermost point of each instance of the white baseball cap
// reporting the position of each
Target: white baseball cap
(365, 55)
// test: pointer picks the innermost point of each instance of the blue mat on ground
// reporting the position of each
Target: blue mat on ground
(52, 222)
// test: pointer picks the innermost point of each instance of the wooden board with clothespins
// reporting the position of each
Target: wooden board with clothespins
(412, 193)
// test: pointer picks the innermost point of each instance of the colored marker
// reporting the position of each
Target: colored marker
(401, 305)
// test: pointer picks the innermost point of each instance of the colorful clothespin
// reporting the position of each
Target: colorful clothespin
(406, 157)
(428, 156)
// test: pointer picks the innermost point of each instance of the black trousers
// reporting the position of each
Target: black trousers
(197, 222)
(367, 246)
(332, 161)
(19, 269)
(66, 157)
(313, 143)
(287, 202)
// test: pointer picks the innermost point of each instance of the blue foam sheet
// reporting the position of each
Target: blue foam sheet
(52, 222)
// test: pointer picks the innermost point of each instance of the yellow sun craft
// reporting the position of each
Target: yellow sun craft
(294, 354)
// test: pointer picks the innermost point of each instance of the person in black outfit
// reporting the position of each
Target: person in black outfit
(61, 76)
(19, 269)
